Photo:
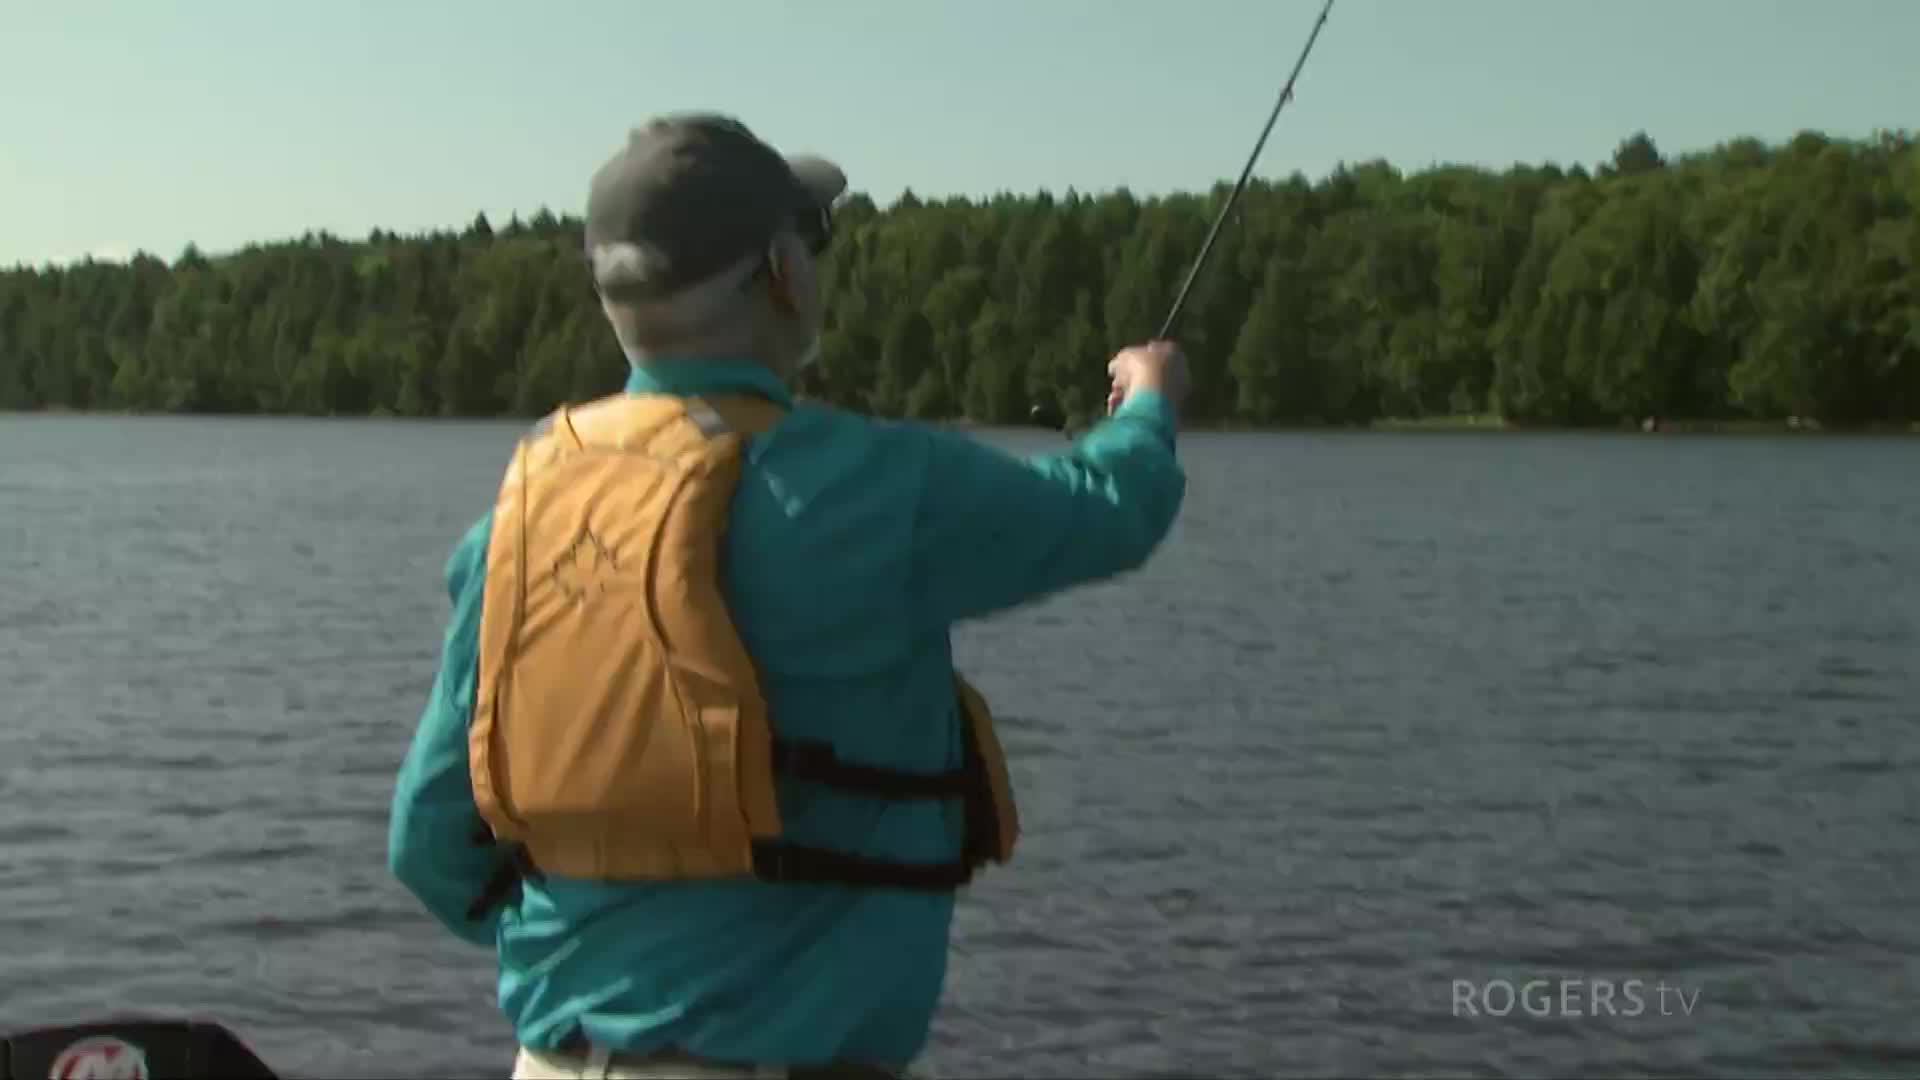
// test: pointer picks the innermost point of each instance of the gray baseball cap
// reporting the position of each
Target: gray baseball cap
(692, 194)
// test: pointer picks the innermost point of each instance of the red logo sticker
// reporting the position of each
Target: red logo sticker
(100, 1058)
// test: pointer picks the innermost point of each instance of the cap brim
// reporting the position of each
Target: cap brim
(822, 178)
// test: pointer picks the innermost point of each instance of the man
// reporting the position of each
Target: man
(597, 720)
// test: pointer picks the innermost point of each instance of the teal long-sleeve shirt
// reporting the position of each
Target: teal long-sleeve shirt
(853, 547)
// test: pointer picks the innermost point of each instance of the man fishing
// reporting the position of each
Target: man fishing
(697, 763)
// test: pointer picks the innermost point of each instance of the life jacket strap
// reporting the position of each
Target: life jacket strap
(775, 861)
(515, 865)
(815, 760)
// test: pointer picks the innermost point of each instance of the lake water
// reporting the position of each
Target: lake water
(1386, 714)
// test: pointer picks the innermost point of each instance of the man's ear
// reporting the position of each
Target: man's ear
(780, 281)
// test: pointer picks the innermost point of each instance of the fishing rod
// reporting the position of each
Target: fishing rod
(1053, 419)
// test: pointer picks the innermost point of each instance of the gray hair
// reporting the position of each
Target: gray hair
(718, 316)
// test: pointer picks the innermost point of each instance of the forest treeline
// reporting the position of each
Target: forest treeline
(1749, 281)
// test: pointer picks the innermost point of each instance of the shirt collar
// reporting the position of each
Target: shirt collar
(690, 377)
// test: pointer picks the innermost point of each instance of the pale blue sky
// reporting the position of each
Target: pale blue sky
(143, 124)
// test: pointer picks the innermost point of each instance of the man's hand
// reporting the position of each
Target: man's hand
(1157, 365)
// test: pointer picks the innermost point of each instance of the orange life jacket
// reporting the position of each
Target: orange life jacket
(618, 727)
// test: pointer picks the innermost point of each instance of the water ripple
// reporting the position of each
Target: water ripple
(1424, 714)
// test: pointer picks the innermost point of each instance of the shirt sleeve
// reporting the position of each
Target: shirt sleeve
(995, 530)
(430, 835)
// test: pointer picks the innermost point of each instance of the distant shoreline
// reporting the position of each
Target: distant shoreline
(1465, 424)
(1386, 299)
